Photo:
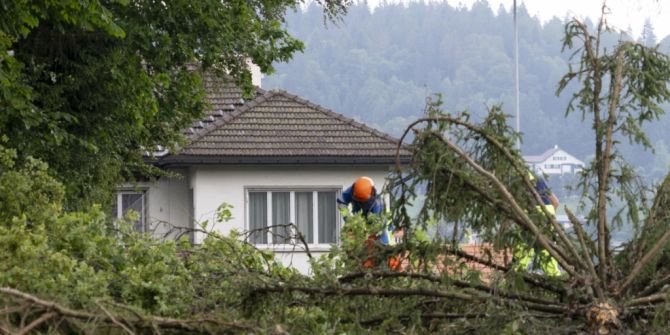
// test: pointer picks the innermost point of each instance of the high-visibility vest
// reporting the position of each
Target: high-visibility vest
(386, 236)
(550, 207)
(524, 254)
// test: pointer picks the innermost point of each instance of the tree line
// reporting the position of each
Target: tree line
(379, 66)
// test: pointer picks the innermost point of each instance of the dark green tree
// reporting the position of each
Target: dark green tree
(90, 86)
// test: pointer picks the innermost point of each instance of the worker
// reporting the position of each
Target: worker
(549, 200)
(523, 254)
(362, 194)
(363, 197)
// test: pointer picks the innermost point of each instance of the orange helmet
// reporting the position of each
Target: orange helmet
(364, 188)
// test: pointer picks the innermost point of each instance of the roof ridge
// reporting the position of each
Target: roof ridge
(543, 156)
(549, 152)
(338, 116)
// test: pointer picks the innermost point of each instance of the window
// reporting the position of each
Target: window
(129, 200)
(314, 213)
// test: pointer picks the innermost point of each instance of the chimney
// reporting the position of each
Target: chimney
(256, 74)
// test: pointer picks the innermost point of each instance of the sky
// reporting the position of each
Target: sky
(624, 14)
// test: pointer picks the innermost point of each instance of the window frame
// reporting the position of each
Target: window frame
(314, 246)
(145, 211)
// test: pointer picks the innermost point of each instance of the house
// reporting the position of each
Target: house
(276, 158)
(554, 161)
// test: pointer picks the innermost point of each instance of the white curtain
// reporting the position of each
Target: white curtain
(258, 217)
(327, 217)
(304, 214)
(281, 203)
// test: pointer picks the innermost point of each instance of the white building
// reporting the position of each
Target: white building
(554, 161)
(276, 158)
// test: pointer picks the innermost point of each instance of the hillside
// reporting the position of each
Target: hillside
(380, 66)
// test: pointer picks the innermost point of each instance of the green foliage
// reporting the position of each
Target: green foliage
(90, 86)
(78, 259)
(32, 247)
(224, 213)
(17, 199)
(622, 90)
(450, 189)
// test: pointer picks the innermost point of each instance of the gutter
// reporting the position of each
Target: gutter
(274, 160)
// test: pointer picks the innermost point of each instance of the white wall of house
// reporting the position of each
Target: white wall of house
(560, 162)
(214, 185)
(168, 204)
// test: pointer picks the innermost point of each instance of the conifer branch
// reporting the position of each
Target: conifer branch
(650, 221)
(637, 268)
(525, 276)
(525, 221)
(605, 166)
(446, 282)
(391, 292)
(649, 300)
(597, 286)
(655, 286)
(189, 326)
(521, 170)
(36, 323)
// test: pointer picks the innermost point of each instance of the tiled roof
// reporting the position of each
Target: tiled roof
(485, 252)
(223, 96)
(279, 127)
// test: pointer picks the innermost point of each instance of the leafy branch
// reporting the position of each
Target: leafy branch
(56, 313)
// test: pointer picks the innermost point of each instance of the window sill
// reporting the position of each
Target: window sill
(294, 247)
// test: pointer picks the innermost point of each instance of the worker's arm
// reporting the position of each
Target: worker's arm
(548, 197)
(554, 200)
(347, 196)
(377, 206)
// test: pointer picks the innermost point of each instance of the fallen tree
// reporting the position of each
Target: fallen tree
(68, 273)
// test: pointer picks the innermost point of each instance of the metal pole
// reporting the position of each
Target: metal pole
(516, 77)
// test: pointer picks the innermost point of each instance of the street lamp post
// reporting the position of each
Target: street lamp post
(516, 76)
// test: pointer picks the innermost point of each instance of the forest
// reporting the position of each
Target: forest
(380, 67)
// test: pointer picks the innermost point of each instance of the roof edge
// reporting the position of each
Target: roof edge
(278, 160)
